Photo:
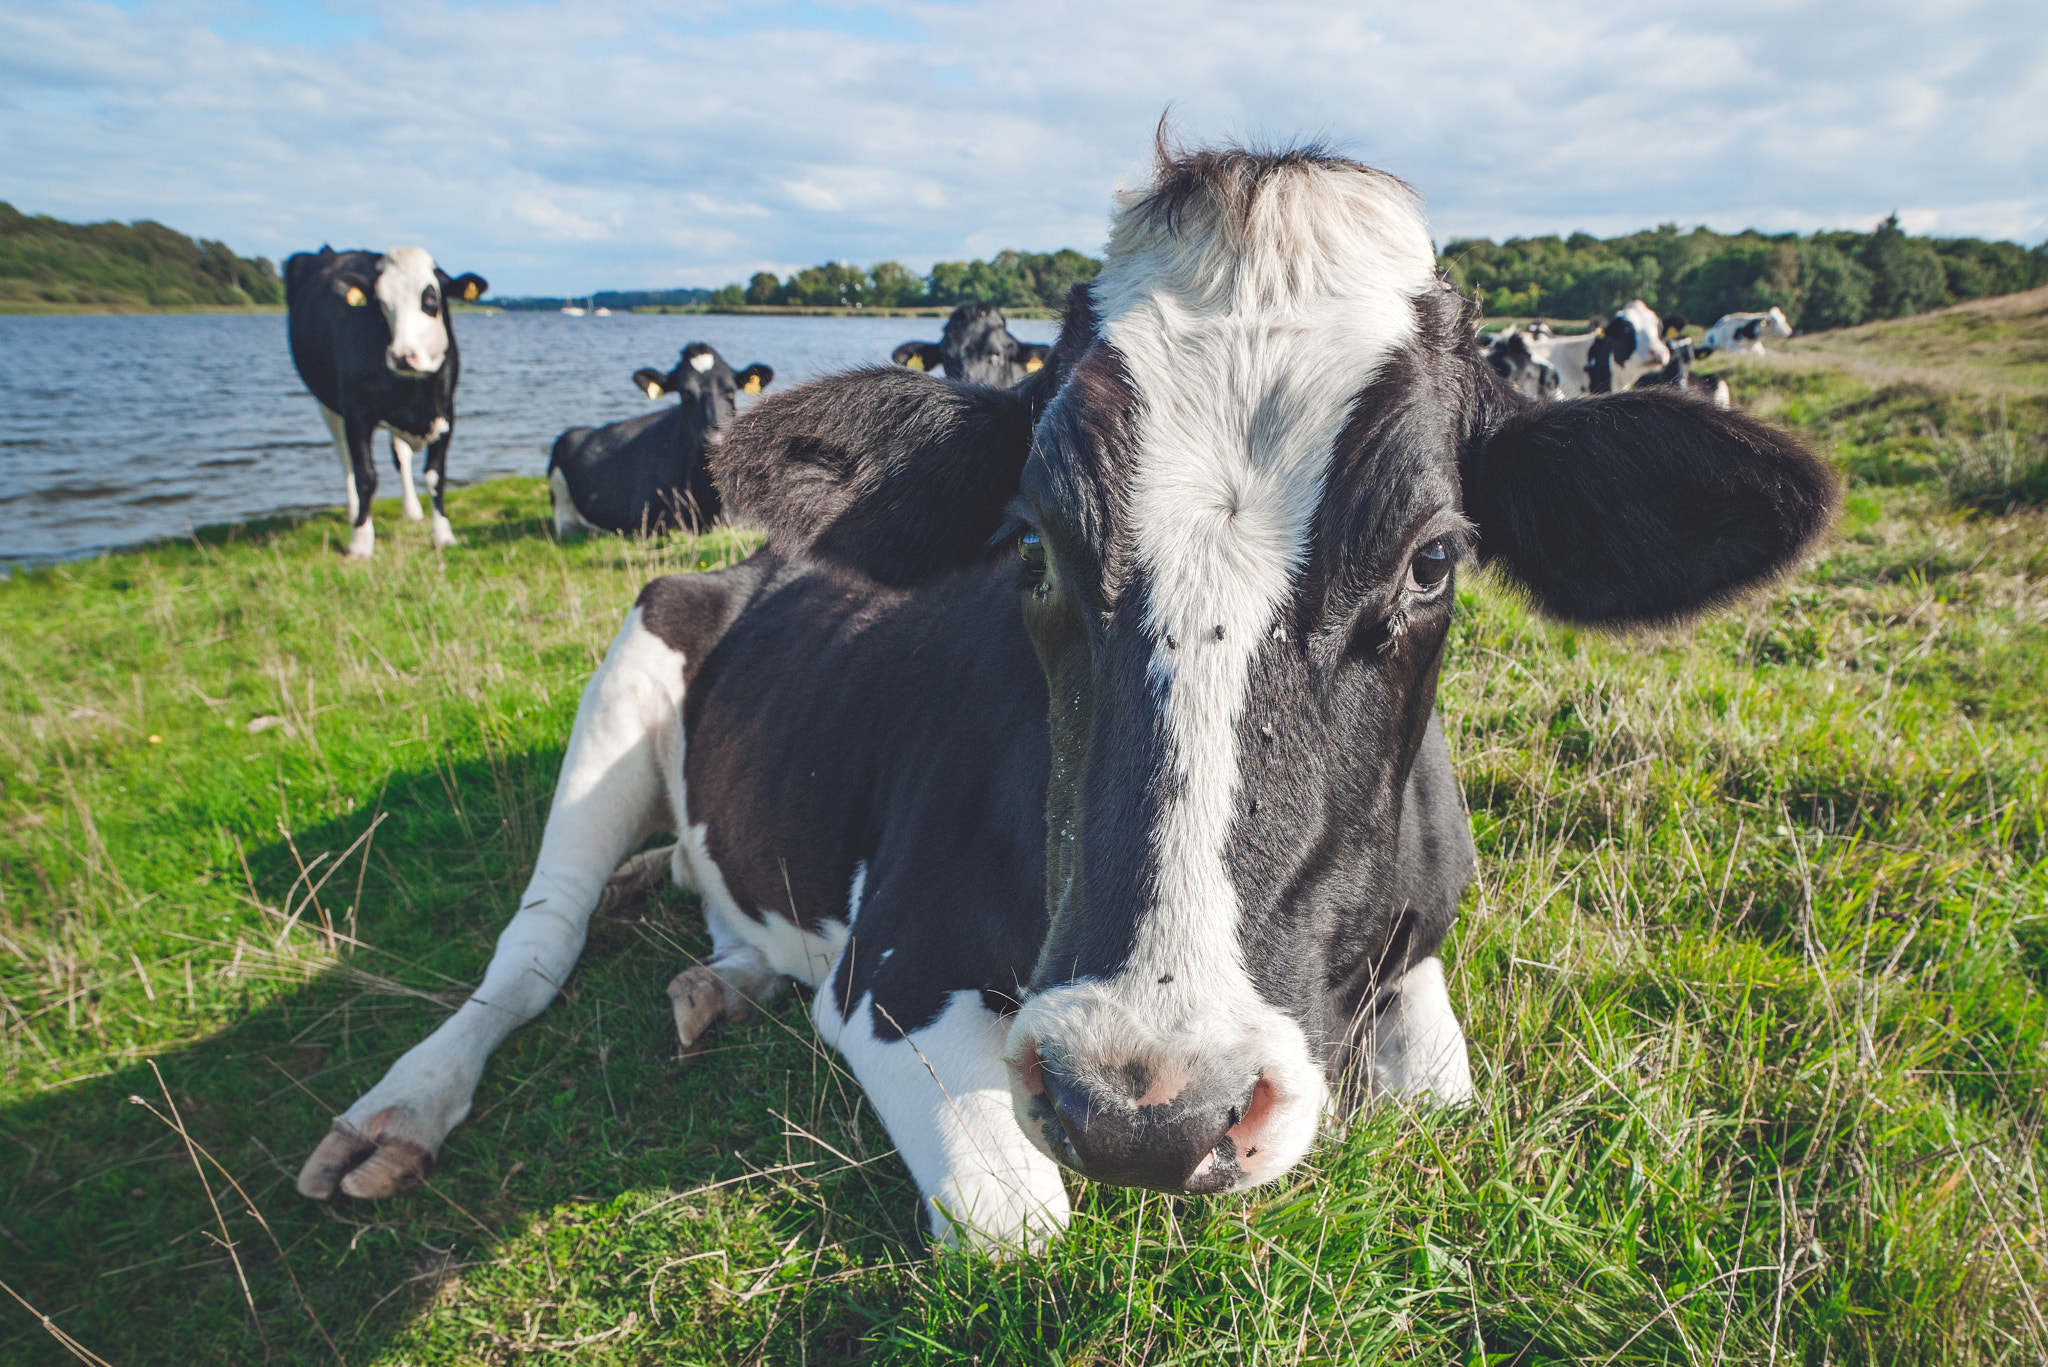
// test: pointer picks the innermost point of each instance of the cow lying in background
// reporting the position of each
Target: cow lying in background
(1743, 333)
(373, 341)
(976, 346)
(1512, 359)
(1678, 374)
(1077, 742)
(649, 473)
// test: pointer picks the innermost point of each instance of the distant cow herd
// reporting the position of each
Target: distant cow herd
(1072, 737)
(373, 341)
(394, 367)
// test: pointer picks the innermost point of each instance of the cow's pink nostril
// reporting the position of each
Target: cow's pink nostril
(1244, 1135)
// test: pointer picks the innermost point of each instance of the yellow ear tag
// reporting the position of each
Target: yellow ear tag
(469, 291)
(1033, 365)
(915, 362)
(753, 384)
(356, 298)
(653, 391)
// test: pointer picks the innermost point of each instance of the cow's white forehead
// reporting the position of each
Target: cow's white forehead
(405, 267)
(1246, 336)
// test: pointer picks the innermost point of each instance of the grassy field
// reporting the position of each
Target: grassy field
(1753, 975)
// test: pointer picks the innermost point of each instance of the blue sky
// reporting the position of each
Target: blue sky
(572, 145)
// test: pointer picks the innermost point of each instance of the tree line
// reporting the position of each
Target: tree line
(1825, 280)
(1011, 279)
(44, 260)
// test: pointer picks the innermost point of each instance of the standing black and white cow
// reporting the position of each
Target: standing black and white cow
(1077, 742)
(976, 346)
(373, 341)
(1744, 333)
(1611, 358)
(649, 472)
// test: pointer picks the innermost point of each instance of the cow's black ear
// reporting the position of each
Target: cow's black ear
(1034, 356)
(468, 288)
(1675, 325)
(1641, 507)
(651, 382)
(356, 290)
(880, 470)
(755, 378)
(917, 356)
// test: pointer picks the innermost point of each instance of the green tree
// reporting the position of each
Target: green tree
(1747, 277)
(49, 261)
(731, 296)
(891, 284)
(1837, 287)
(764, 288)
(1906, 272)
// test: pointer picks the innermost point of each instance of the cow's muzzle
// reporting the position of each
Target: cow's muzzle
(412, 365)
(1144, 1125)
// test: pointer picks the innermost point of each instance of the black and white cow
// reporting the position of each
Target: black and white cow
(1512, 358)
(1744, 333)
(1609, 359)
(373, 341)
(649, 472)
(1077, 742)
(975, 346)
(1678, 374)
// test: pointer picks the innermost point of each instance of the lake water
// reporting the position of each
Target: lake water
(118, 430)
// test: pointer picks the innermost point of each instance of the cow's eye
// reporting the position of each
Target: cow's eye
(1429, 567)
(1032, 551)
(430, 302)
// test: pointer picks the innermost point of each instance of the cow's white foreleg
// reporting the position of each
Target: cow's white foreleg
(944, 1095)
(409, 499)
(613, 792)
(1417, 1045)
(339, 429)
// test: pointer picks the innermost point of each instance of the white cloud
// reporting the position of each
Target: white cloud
(601, 143)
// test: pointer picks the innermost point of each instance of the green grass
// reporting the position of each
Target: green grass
(1752, 973)
(2000, 344)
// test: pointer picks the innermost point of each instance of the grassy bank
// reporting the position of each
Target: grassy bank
(1752, 973)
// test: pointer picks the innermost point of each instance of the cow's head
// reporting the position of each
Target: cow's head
(413, 293)
(1526, 373)
(708, 387)
(1775, 324)
(975, 346)
(1235, 503)
(1635, 339)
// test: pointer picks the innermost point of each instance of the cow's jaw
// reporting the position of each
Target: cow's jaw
(419, 341)
(1169, 1068)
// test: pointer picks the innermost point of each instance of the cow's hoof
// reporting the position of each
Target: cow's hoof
(413, 511)
(701, 1000)
(443, 534)
(362, 542)
(368, 1166)
(635, 879)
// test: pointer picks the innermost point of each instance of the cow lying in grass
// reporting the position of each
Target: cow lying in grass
(976, 345)
(1076, 743)
(649, 473)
